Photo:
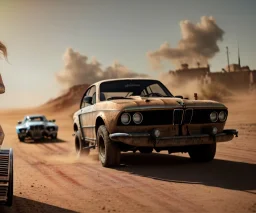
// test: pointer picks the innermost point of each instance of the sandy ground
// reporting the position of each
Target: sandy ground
(48, 177)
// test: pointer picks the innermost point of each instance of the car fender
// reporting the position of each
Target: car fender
(109, 117)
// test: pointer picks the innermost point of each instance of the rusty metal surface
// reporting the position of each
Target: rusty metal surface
(147, 141)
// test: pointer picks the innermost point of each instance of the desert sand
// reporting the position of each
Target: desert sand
(49, 178)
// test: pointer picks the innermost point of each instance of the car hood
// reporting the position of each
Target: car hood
(142, 102)
(35, 123)
(50, 124)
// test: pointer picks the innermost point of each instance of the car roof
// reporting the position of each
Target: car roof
(31, 116)
(122, 79)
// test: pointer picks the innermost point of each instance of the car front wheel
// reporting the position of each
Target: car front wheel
(109, 152)
(54, 137)
(21, 139)
(203, 153)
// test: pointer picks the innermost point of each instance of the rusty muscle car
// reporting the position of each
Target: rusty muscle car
(143, 115)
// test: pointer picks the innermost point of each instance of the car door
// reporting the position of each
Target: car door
(86, 121)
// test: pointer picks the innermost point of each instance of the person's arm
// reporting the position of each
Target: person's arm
(2, 87)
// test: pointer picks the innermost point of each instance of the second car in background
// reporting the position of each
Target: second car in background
(36, 127)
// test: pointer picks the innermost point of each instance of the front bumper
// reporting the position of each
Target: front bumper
(37, 134)
(147, 140)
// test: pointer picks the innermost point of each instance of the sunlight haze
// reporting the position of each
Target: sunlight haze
(38, 33)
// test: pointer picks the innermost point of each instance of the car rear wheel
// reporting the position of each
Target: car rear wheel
(79, 145)
(203, 153)
(21, 139)
(109, 152)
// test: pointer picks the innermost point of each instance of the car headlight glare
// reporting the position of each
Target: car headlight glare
(222, 116)
(125, 118)
(214, 116)
(137, 118)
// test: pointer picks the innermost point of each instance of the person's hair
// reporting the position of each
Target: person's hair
(3, 50)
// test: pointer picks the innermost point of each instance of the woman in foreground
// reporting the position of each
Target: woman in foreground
(6, 156)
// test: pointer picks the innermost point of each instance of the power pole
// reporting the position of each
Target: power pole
(239, 62)
(228, 59)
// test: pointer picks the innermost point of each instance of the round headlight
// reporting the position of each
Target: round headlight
(137, 118)
(222, 116)
(125, 118)
(214, 116)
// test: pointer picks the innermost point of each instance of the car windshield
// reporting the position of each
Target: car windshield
(39, 118)
(123, 89)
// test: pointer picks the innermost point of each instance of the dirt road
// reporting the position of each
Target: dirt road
(48, 177)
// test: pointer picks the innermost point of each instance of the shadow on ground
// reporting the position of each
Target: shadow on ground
(46, 140)
(23, 205)
(217, 173)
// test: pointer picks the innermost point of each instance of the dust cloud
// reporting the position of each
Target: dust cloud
(78, 70)
(197, 45)
(216, 91)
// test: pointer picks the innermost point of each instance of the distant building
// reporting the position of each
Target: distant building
(237, 68)
(186, 73)
(239, 78)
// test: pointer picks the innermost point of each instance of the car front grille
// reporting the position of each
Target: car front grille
(176, 117)
(36, 127)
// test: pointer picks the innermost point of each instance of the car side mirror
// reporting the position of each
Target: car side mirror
(88, 100)
(19, 122)
(179, 96)
(53, 120)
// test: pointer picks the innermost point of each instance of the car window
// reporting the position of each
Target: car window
(155, 88)
(86, 94)
(25, 120)
(123, 89)
(92, 93)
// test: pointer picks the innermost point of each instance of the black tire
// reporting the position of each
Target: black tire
(203, 153)
(146, 150)
(54, 137)
(80, 144)
(21, 139)
(109, 152)
(10, 188)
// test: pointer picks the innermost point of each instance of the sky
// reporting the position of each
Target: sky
(37, 34)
